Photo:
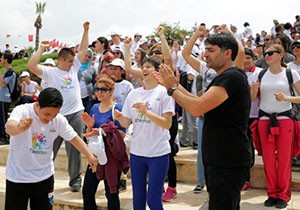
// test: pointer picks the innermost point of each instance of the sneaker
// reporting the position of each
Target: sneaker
(246, 186)
(270, 202)
(280, 204)
(169, 195)
(76, 187)
(198, 189)
(123, 185)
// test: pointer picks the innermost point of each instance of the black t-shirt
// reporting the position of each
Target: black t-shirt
(225, 142)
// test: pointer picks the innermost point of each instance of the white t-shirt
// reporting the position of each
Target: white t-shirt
(254, 104)
(292, 65)
(68, 85)
(122, 90)
(271, 84)
(30, 153)
(30, 88)
(149, 139)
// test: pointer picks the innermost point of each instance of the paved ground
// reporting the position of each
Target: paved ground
(252, 199)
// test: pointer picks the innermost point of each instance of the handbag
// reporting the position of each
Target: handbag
(96, 145)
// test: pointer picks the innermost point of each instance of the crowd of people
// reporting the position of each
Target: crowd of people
(232, 91)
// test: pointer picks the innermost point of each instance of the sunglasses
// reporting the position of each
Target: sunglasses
(156, 52)
(296, 46)
(101, 89)
(267, 39)
(270, 53)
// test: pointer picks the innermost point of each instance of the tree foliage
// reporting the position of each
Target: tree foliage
(175, 31)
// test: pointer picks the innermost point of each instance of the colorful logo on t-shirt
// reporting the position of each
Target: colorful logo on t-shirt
(67, 83)
(141, 117)
(38, 143)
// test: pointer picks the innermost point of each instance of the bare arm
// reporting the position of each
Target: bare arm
(166, 51)
(187, 51)
(13, 127)
(137, 73)
(84, 42)
(195, 105)
(33, 63)
(164, 121)
(2, 83)
(80, 145)
(124, 121)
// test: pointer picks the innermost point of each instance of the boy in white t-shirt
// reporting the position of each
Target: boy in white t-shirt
(30, 168)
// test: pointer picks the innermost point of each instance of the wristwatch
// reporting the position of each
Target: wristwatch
(171, 90)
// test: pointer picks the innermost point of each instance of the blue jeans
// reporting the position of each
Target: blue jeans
(156, 168)
(200, 167)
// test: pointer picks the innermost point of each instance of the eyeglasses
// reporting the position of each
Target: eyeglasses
(267, 39)
(101, 89)
(156, 52)
(270, 53)
(296, 46)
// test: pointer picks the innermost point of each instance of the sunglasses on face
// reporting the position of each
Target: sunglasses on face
(296, 46)
(156, 52)
(270, 53)
(267, 39)
(101, 89)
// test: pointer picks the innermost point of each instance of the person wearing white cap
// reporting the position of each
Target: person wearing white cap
(49, 62)
(116, 40)
(30, 89)
(122, 86)
(136, 38)
(64, 78)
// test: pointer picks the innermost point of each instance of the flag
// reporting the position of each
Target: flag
(30, 38)
(8, 35)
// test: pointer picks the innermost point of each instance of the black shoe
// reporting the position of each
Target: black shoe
(4, 141)
(183, 145)
(123, 185)
(198, 189)
(76, 187)
(270, 202)
(280, 204)
(195, 146)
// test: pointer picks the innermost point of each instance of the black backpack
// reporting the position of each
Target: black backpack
(16, 92)
(295, 107)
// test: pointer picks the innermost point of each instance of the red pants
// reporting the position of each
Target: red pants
(277, 154)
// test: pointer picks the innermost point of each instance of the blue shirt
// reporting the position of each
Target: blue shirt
(9, 77)
(101, 118)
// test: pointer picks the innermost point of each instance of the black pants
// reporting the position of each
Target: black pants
(40, 195)
(4, 106)
(172, 172)
(90, 186)
(224, 186)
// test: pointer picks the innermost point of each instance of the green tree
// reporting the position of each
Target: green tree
(175, 31)
(40, 9)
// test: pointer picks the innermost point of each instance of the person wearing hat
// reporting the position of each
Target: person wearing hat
(30, 89)
(116, 40)
(49, 62)
(136, 38)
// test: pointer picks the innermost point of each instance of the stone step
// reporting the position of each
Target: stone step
(185, 200)
(186, 167)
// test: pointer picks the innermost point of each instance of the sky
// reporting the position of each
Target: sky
(63, 19)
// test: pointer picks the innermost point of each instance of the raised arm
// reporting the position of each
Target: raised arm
(136, 72)
(84, 42)
(166, 51)
(240, 58)
(187, 51)
(33, 63)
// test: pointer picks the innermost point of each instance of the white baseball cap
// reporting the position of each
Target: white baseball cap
(25, 74)
(49, 61)
(118, 62)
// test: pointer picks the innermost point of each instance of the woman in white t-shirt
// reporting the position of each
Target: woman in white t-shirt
(276, 125)
(150, 110)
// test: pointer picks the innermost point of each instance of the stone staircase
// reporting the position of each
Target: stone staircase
(186, 176)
